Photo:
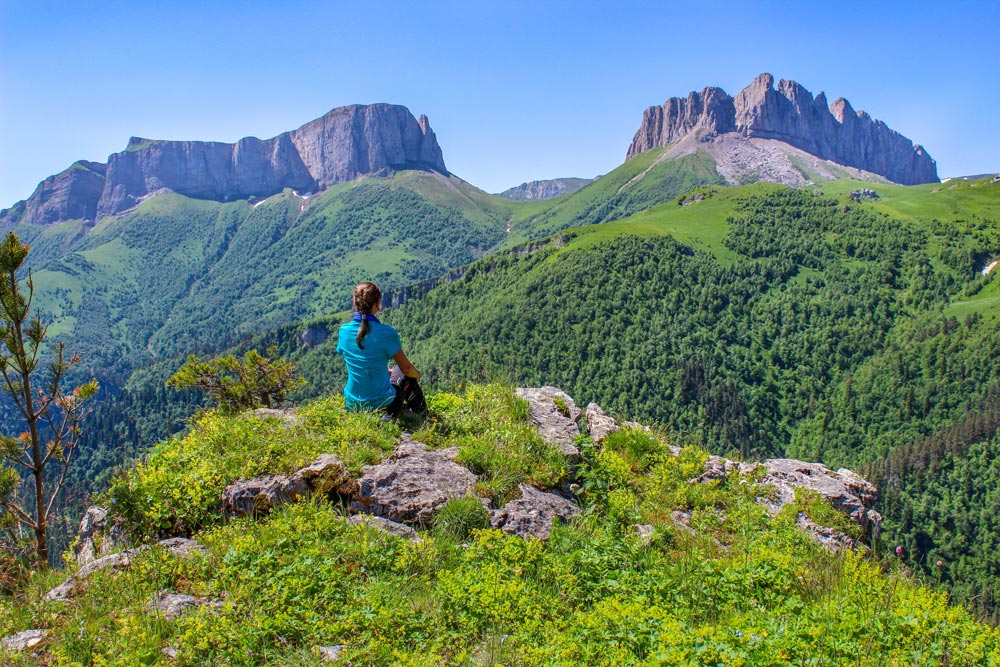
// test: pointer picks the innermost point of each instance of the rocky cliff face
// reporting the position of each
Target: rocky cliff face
(345, 143)
(789, 113)
(535, 190)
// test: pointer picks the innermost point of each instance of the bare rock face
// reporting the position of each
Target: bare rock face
(346, 143)
(532, 514)
(790, 114)
(260, 495)
(554, 414)
(538, 190)
(412, 484)
(182, 547)
(69, 195)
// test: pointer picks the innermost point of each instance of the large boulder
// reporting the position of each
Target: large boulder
(532, 514)
(260, 495)
(412, 484)
(554, 414)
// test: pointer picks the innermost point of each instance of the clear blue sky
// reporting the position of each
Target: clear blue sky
(515, 91)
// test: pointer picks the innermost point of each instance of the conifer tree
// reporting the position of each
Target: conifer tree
(51, 415)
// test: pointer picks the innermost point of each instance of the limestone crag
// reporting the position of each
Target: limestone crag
(536, 190)
(346, 143)
(789, 113)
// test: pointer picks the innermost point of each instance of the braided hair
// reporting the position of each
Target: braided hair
(366, 297)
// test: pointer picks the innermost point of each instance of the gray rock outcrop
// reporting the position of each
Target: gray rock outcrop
(548, 189)
(532, 514)
(260, 495)
(22, 641)
(344, 144)
(790, 114)
(554, 414)
(412, 483)
(846, 491)
(599, 425)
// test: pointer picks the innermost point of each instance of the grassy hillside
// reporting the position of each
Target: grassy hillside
(179, 274)
(737, 587)
(639, 184)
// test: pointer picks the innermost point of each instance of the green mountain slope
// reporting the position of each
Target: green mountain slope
(733, 586)
(639, 184)
(179, 274)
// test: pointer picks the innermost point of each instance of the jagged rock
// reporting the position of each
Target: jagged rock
(412, 484)
(532, 514)
(261, 494)
(555, 415)
(258, 496)
(22, 641)
(288, 416)
(330, 653)
(716, 468)
(846, 491)
(391, 527)
(682, 518)
(325, 475)
(171, 605)
(346, 143)
(182, 547)
(69, 195)
(791, 115)
(95, 537)
(599, 425)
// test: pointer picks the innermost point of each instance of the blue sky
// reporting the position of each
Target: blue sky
(515, 91)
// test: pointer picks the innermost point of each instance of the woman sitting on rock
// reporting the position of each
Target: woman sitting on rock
(367, 345)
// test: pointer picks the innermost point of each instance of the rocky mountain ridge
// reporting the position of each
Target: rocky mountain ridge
(790, 114)
(342, 145)
(547, 189)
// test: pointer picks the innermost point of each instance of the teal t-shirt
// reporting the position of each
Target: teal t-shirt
(368, 386)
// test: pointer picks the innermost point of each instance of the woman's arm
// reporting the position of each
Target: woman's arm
(409, 370)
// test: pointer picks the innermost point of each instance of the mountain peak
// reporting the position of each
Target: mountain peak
(790, 114)
(343, 144)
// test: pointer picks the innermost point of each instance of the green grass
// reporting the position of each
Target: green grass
(745, 589)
